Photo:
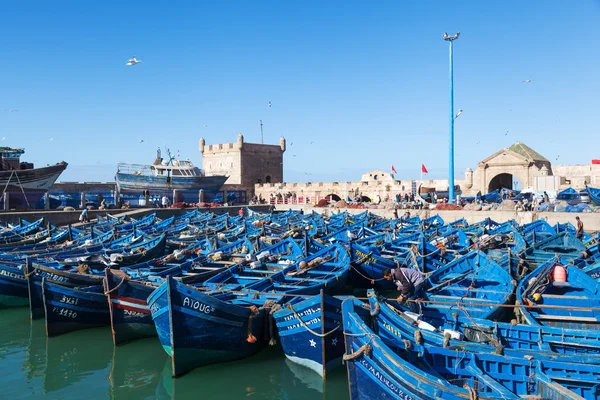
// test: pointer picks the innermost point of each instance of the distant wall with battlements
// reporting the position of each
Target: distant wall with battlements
(246, 164)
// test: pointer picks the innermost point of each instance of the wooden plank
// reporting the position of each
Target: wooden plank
(565, 318)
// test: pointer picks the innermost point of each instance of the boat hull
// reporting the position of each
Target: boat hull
(130, 316)
(69, 309)
(32, 180)
(35, 275)
(322, 315)
(197, 330)
(13, 287)
(138, 183)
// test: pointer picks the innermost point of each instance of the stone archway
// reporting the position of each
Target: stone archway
(501, 181)
(333, 196)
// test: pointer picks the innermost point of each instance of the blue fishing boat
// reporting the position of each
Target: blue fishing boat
(311, 334)
(69, 309)
(395, 324)
(36, 273)
(377, 371)
(225, 318)
(594, 194)
(473, 278)
(562, 296)
(13, 287)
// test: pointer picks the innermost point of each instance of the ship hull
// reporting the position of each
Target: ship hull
(31, 180)
(131, 182)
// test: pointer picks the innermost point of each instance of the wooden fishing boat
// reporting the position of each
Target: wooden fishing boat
(201, 327)
(36, 273)
(472, 278)
(13, 287)
(567, 296)
(69, 309)
(395, 324)
(311, 334)
(377, 371)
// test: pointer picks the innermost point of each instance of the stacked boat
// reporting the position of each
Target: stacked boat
(506, 311)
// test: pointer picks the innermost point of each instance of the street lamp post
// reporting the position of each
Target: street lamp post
(451, 39)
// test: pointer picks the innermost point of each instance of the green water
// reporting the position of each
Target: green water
(86, 365)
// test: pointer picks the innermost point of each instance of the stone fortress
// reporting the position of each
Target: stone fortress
(246, 164)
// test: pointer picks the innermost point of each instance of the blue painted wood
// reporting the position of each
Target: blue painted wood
(378, 371)
(13, 287)
(70, 309)
(321, 314)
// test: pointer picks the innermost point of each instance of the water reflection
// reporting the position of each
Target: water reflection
(136, 369)
(265, 376)
(85, 364)
(76, 356)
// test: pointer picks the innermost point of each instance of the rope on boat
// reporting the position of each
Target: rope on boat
(115, 288)
(365, 349)
(321, 335)
(28, 274)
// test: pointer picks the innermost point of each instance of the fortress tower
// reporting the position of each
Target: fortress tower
(245, 163)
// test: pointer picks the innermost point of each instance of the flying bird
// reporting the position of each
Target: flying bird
(133, 61)
(142, 141)
(458, 114)
(11, 110)
(312, 142)
(4, 138)
(51, 139)
(527, 81)
(294, 155)
(291, 143)
(506, 134)
(269, 104)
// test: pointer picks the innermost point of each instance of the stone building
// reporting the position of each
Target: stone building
(246, 164)
(518, 162)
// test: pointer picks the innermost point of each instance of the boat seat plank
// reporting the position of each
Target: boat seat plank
(565, 318)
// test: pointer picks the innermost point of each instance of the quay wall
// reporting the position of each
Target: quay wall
(591, 221)
(61, 218)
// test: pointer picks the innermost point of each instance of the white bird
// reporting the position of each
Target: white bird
(527, 81)
(458, 114)
(269, 104)
(133, 61)
(4, 138)
(51, 139)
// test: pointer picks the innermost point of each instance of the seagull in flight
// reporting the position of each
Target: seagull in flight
(312, 142)
(11, 110)
(506, 134)
(269, 104)
(458, 114)
(142, 141)
(527, 81)
(4, 138)
(133, 61)
(294, 155)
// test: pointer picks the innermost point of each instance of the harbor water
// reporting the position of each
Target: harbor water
(86, 365)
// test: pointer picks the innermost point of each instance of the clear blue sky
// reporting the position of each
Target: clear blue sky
(366, 81)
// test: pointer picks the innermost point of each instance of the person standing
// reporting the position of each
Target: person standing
(579, 234)
(165, 201)
(84, 216)
(410, 284)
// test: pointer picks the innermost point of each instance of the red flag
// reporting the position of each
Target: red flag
(423, 169)
(593, 162)
(393, 169)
